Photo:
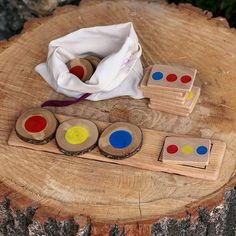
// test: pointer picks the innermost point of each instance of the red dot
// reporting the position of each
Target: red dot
(171, 77)
(185, 79)
(172, 149)
(77, 71)
(35, 124)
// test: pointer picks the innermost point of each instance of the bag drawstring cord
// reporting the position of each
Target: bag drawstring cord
(64, 103)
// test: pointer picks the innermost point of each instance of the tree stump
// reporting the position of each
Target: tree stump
(61, 188)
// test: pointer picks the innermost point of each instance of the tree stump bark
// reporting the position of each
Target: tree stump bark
(51, 191)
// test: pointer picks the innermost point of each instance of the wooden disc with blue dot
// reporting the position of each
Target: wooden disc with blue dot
(120, 140)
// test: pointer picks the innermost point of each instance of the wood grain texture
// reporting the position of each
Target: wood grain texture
(123, 194)
(188, 105)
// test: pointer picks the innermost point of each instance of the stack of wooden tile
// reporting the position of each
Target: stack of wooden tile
(171, 89)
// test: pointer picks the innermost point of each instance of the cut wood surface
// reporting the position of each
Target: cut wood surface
(62, 187)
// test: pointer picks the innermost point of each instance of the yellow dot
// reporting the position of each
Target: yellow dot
(190, 95)
(76, 135)
(186, 149)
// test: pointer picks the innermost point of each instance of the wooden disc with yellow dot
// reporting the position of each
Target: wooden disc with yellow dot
(81, 68)
(120, 140)
(77, 136)
(36, 126)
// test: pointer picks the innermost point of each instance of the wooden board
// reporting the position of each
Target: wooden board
(146, 158)
(109, 193)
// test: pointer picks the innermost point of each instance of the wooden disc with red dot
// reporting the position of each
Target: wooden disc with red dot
(77, 136)
(81, 68)
(36, 126)
(120, 140)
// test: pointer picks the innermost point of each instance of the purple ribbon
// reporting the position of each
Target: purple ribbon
(64, 103)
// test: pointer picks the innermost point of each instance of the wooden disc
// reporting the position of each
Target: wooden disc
(36, 126)
(120, 140)
(81, 67)
(77, 136)
(94, 60)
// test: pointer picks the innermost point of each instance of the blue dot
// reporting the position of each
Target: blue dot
(157, 75)
(202, 150)
(120, 139)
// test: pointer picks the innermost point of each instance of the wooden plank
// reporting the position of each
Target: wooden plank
(146, 158)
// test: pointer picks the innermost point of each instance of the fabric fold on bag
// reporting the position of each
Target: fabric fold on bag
(118, 74)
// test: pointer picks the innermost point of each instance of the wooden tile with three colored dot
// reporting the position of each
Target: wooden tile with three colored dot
(172, 78)
(36, 126)
(120, 140)
(186, 151)
(77, 136)
(152, 92)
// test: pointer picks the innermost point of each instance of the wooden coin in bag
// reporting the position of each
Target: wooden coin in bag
(94, 60)
(120, 140)
(81, 68)
(36, 126)
(77, 136)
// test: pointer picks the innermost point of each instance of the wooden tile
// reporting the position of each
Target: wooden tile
(151, 91)
(172, 78)
(189, 151)
(169, 110)
(187, 106)
(155, 92)
(160, 100)
(143, 82)
(157, 98)
(146, 158)
(195, 165)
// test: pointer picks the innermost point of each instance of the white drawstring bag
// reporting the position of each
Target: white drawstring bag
(118, 74)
